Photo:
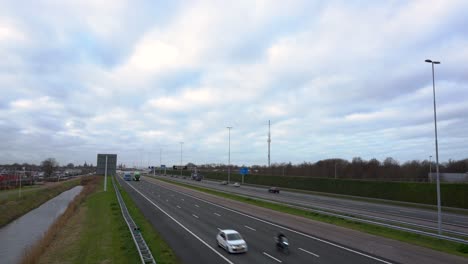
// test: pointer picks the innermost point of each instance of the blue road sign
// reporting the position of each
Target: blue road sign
(244, 171)
(163, 166)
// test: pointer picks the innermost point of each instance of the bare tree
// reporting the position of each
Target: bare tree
(49, 166)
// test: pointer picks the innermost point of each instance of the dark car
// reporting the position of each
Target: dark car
(274, 190)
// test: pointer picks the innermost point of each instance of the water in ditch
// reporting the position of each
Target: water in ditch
(20, 234)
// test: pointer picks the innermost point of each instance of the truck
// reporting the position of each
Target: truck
(136, 176)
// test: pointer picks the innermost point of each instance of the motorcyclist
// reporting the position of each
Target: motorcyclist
(279, 239)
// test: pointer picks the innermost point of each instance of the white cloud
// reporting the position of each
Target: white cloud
(337, 79)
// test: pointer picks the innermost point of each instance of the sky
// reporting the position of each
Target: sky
(336, 79)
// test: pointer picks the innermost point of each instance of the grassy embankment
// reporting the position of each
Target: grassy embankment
(12, 206)
(92, 230)
(429, 242)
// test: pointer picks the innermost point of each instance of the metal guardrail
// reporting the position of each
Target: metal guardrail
(143, 250)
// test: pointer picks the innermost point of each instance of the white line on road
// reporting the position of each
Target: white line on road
(248, 227)
(195, 216)
(181, 225)
(219, 229)
(268, 255)
(178, 207)
(309, 252)
(197, 206)
(216, 214)
(182, 199)
(280, 226)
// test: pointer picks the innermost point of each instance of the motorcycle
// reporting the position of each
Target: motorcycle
(282, 245)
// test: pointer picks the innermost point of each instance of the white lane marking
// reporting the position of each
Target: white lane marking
(306, 251)
(195, 216)
(248, 227)
(178, 207)
(182, 199)
(283, 227)
(216, 214)
(197, 206)
(219, 229)
(181, 225)
(268, 255)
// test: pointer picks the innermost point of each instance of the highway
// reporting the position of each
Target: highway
(453, 224)
(190, 224)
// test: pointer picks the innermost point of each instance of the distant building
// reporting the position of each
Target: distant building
(111, 164)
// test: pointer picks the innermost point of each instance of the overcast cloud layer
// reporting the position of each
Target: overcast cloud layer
(336, 78)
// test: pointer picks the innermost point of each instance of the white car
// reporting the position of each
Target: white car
(231, 241)
(236, 184)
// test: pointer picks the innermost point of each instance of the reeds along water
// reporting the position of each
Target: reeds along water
(32, 254)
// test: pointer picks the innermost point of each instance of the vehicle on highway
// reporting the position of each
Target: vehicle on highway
(196, 176)
(136, 176)
(223, 183)
(231, 241)
(127, 176)
(282, 243)
(236, 184)
(274, 190)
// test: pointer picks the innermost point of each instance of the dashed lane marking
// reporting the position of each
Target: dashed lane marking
(306, 251)
(270, 256)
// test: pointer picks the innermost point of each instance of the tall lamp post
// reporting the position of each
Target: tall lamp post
(181, 143)
(229, 155)
(439, 213)
(430, 167)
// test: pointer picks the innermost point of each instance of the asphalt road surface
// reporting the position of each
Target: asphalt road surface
(190, 225)
(456, 223)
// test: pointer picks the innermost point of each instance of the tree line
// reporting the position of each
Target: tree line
(358, 168)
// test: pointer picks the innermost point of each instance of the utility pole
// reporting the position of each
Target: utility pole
(229, 155)
(269, 142)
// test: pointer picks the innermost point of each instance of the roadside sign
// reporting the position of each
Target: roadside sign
(163, 166)
(244, 170)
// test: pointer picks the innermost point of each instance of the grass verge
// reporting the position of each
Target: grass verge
(12, 207)
(159, 248)
(428, 242)
(92, 230)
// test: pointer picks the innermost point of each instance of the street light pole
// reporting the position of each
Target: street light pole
(335, 170)
(105, 176)
(430, 167)
(181, 143)
(229, 155)
(439, 213)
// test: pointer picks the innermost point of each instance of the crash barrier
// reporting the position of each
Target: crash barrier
(143, 250)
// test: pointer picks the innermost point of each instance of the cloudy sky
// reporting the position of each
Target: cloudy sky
(337, 79)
